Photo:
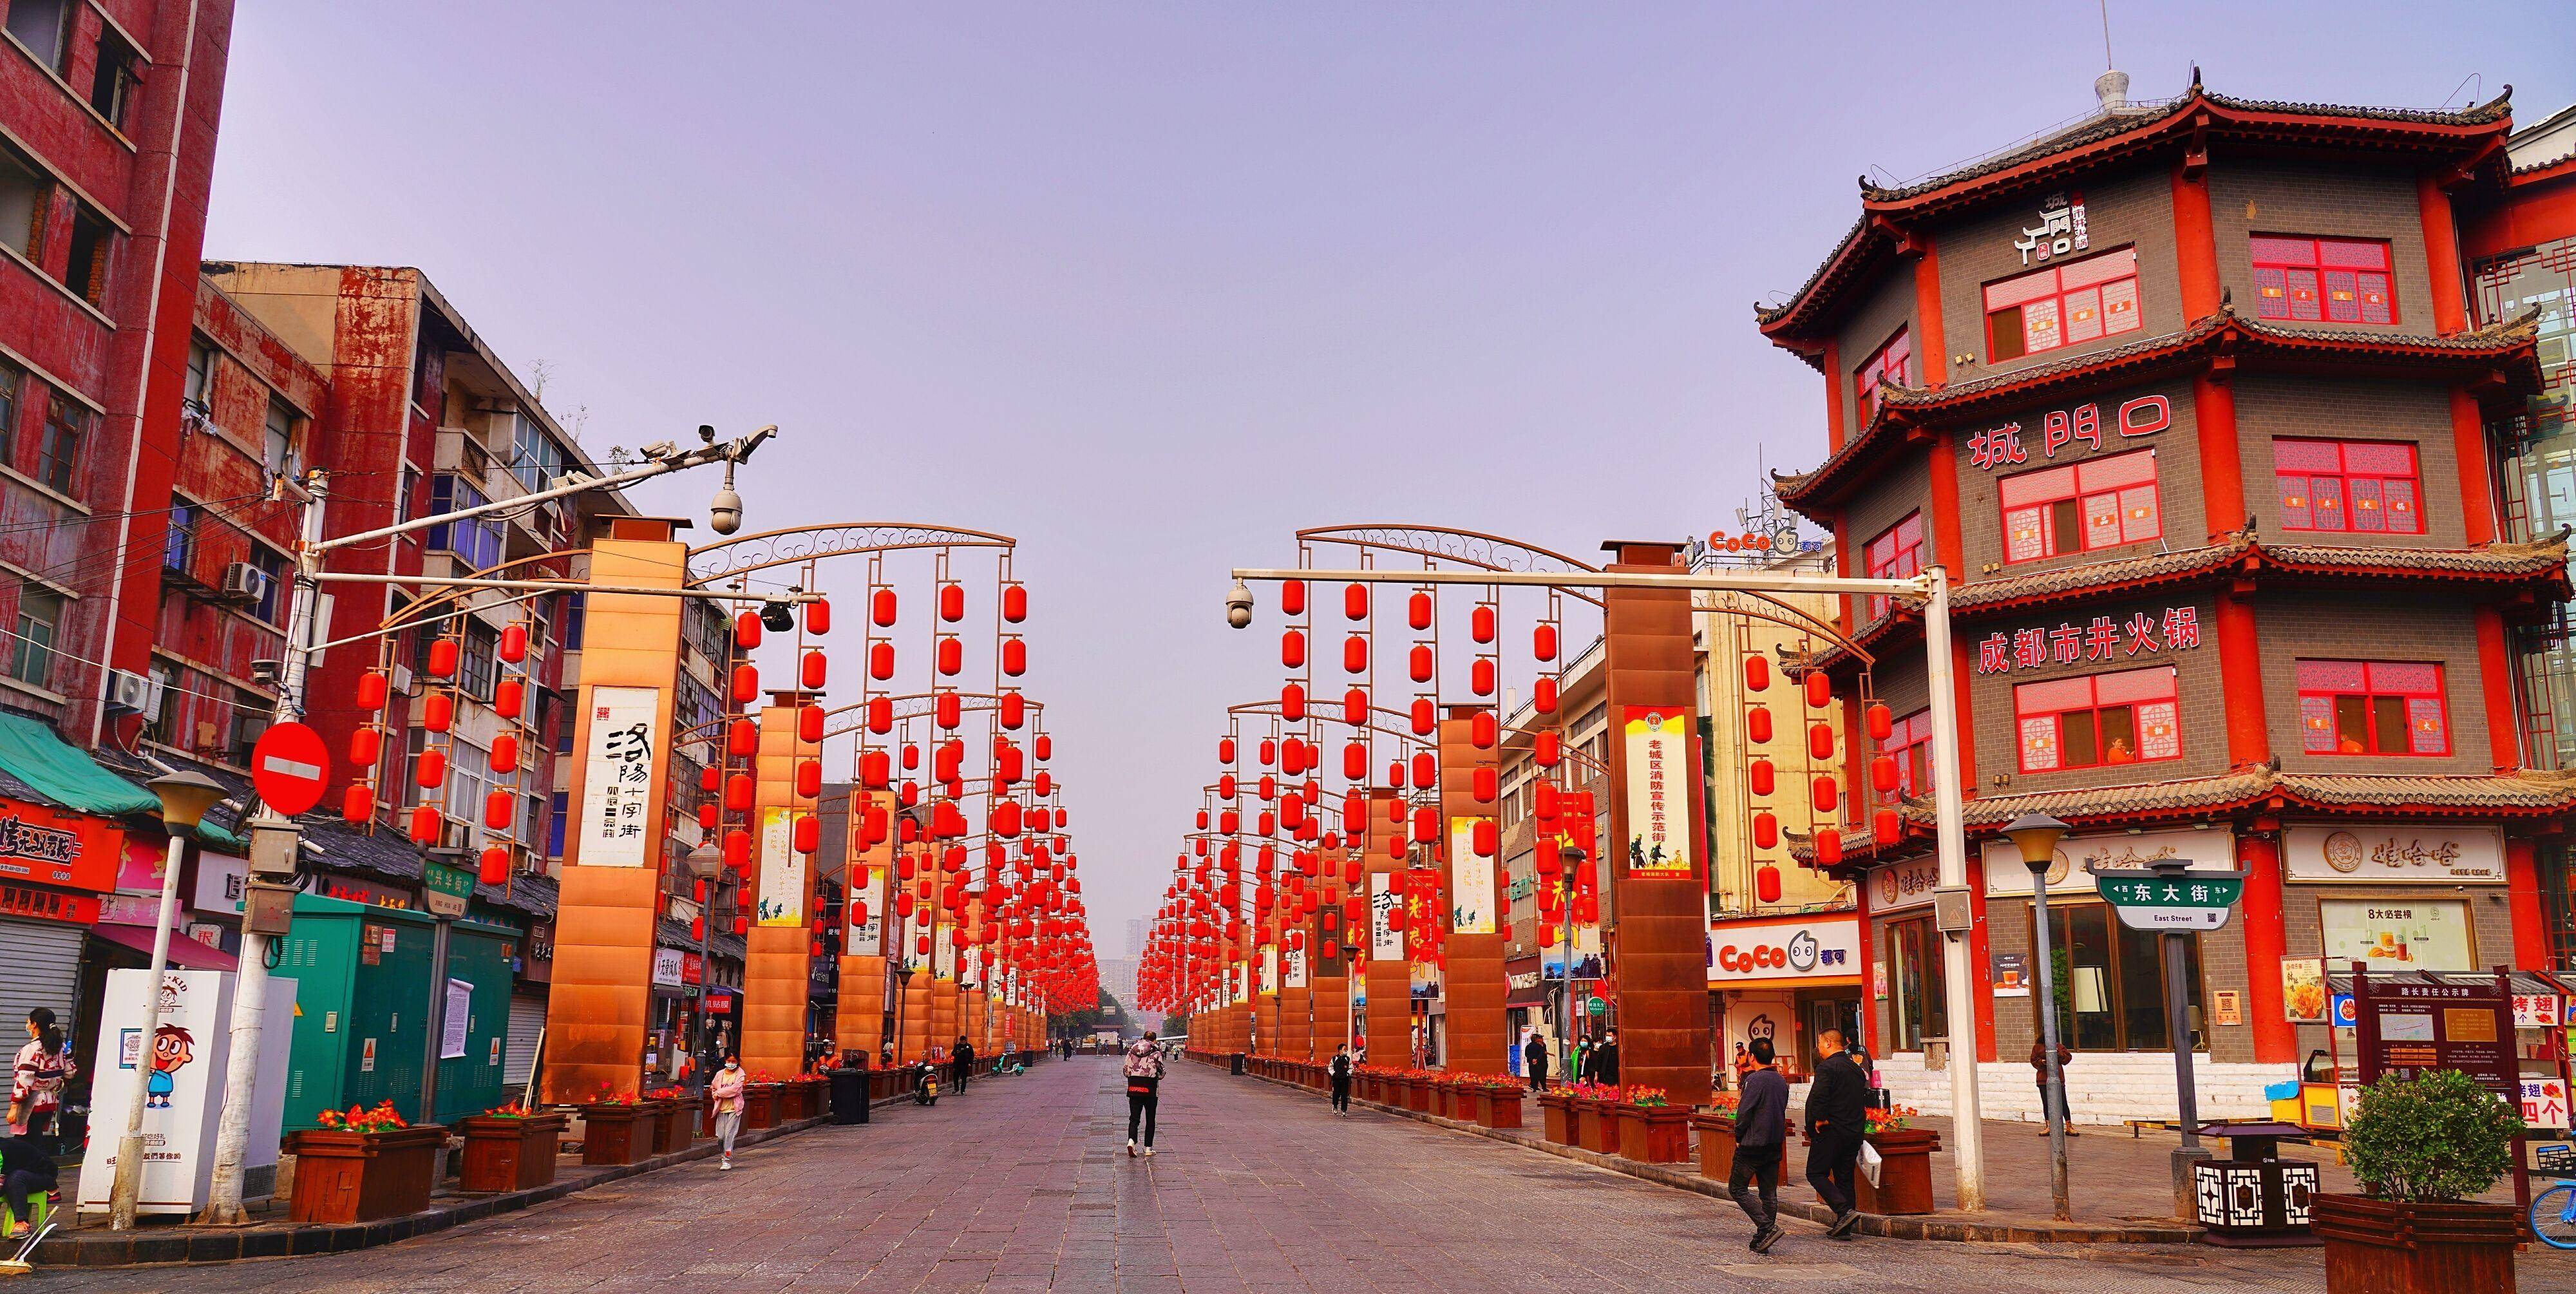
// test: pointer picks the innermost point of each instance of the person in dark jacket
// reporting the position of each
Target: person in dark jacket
(26, 1171)
(1837, 1116)
(1534, 1061)
(1340, 1072)
(1602, 1066)
(962, 1058)
(1761, 1139)
(2039, 1072)
(1143, 1070)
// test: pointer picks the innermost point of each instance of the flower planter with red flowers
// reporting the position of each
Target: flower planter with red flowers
(1651, 1131)
(1417, 1092)
(615, 1132)
(511, 1148)
(1716, 1129)
(674, 1119)
(761, 1099)
(1500, 1106)
(1597, 1128)
(363, 1166)
(1904, 1173)
(1557, 1117)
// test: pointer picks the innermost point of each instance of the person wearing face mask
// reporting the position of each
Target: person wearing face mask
(726, 1087)
(36, 1088)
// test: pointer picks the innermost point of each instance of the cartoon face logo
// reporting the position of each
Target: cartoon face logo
(172, 1048)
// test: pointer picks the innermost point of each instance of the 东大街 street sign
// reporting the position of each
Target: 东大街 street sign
(2179, 901)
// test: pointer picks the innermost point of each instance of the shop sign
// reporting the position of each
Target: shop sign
(2544, 1102)
(444, 890)
(2079, 858)
(2002, 446)
(1471, 881)
(49, 905)
(52, 847)
(2396, 934)
(1659, 761)
(782, 869)
(2061, 231)
(667, 967)
(2303, 989)
(1801, 948)
(541, 941)
(693, 969)
(2535, 1010)
(129, 909)
(1903, 885)
(2101, 640)
(2408, 1027)
(219, 882)
(2173, 902)
(2439, 853)
(617, 778)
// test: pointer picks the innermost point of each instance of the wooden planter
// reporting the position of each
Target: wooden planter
(1597, 1126)
(1556, 1117)
(1499, 1107)
(760, 1105)
(673, 1124)
(504, 1154)
(616, 1134)
(1444, 1098)
(2389, 1247)
(1653, 1134)
(363, 1176)
(1417, 1095)
(1904, 1176)
(1716, 1130)
(794, 1101)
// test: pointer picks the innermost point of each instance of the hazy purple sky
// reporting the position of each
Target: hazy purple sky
(1151, 286)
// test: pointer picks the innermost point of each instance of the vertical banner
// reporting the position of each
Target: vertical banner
(617, 778)
(1269, 970)
(866, 938)
(1659, 769)
(1239, 991)
(782, 869)
(943, 954)
(1292, 967)
(1386, 943)
(1471, 881)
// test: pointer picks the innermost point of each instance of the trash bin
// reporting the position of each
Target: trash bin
(1234, 1064)
(849, 1095)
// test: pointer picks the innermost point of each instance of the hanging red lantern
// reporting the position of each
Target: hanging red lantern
(952, 655)
(746, 629)
(358, 803)
(873, 769)
(1880, 722)
(1760, 776)
(1225, 750)
(746, 683)
(1882, 773)
(1421, 662)
(1483, 730)
(1015, 603)
(1226, 787)
(1355, 655)
(1766, 884)
(1825, 795)
(818, 617)
(1292, 649)
(1015, 657)
(1543, 642)
(881, 661)
(1543, 748)
(709, 816)
(364, 745)
(433, 767)
(497, 810)
(808, 835)
(1484, 782)
(738, 793)
(1820, 741)
(1886, 826)
(1044, 746)
(809, 778)
(509, 697)
(880, 714)
(1269, 754)
(514, 643)
(1043, 784)
(1417, 609)
(911, 755)
(372, 689)
(1757, 724)
(495, 869)
(1829, 847)
(952, 602)
(1355, 601)
(1355, 761)
(1757, 672)
(1487, 837)
(809, 724)
(812, 676)
(1395, 919)
(505, 753)
(881, 607)
(1480, 622)
(1820, 690)
(742, 738)
(438, 714)
(442, 658)
(1480, 676)
(1543, 695)
(949, 710)
(1425, 717)
(424, 824)
(1426, 770)
(1766, 830)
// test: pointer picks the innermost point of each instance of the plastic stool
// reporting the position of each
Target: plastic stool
(41, 1205)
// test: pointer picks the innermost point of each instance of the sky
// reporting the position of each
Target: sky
(1151, 286)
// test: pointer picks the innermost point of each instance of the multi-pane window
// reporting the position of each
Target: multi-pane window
(476, 543)
(2128, 717)
(58, 454)
(271, 606)
(24, 192)
(478, 662)
(45, 28)
(179, 542)
(115, 76)
(572, 621)
(277, 444)
(250, 715)
(1887, 362)
(2062, 305)
(2113, 995)
(2097, 503)
(2329, 280)
(2351, 707)
(562, 805)
(31, 648)
(201, 369)
(1909, 741)
(13, 379)
(1918, 1000)
(1895, 554)
(2349, 485)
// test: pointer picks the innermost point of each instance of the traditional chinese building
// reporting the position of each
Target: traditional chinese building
(2190, 402)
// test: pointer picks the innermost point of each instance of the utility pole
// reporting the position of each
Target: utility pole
(277, 842)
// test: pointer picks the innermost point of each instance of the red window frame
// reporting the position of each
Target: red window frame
(2323, 280)
(1887, 361)
(2130, 716)
(2353, 707)
(2350, 486)
(2109, 501)
(1910, 740)
(2062, 305)
(1896, 553)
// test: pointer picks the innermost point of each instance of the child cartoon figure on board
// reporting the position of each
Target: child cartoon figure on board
(172, 1047)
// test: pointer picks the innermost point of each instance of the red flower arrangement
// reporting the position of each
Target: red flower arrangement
(1596, 1091)
(512, 1110)
(666, 1094)
(1723, 1101)
(380, 1119)
(1888, 1119)
(1652, 1097)
(607, 1097)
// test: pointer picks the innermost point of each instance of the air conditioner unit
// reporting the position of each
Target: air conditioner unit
(400, 678)
(245, 582)
(134, 693)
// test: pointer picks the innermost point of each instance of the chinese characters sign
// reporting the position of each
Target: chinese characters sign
(2464, 1024)
(2175, 902)
(56, 848)
(1471, 881)
(2062, 230)
(617, 826)
(2006, 446)
(1386, 943)
(2104, 639)
(1292, 967)
(2443, 854)
(782, 869)
(1659, 769)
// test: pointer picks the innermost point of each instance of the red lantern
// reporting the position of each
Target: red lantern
(809, 833)
(1480, 622)
(1880, 723)
(1484, 782)
(1766, 830)
(1543, 642)
(364, 745)
(1417, 610)
(881, 607)
(1487, 837)
(439, 713)
(742, 739)
(1355, 654)
(433, 767)
(1760, 776)
(952, 655)
(1886, 826)
(358, 803)
(505, 753)
(424, 824)
(1882, 773)
(1820, 741)
(1292, 702)
(1292, 597)
(1757, 724)
(1421, 661)
(1015, 657)
(746, 629)
(873, 769)
(1355, 761)
(1292, 649)
(818, 617)
(881, 661)
(371, 690)
(809, 724)
(1825, 795)
(495, 869)
(1829, 847)
(1269, 755)
(880, 714)
(746, 683)
(812, 676)
(1426, 770)
(1480, 676)
(1045, 746)
(948, 710)
(809, 778)
(1820, 690)
(737, 851)
(1543, 695)
(1543, 748)
(952, 602)
(1483, 730)
(1015, 603)
(1766, 884)
(509, 697)
(738, 791)
(1425, 718)
(1757, 672)
(1355, 601)
(442, 658)
(497, 807)
(514, 643)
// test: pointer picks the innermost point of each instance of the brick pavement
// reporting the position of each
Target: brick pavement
(1023, 1185)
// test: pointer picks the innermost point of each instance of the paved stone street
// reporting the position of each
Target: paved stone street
(1023, 1185)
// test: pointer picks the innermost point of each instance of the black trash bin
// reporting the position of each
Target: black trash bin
(1234, 1064)
(849, 1094)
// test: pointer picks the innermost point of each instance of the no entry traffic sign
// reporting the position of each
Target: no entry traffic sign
(288, 766)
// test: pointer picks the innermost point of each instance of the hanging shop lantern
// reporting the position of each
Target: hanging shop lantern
(1426, 770)
(818, 617)
(1760, 776)
(1294, 757)
(509, 697)
(1417, 609)
(952, 655)
(1543, 748)
(881, 661)
(809, 833)
(746, 629)
(497, 809)
(809, 724)
(1355, 601)
(1354, 761)
(1292, 649)
(1480, 622)
(1015, 603)
(948, 709)
(1757, 725)
(812, 674)
(1487, 837)
(1268, 787)
(1543, 642)
(1757, 672)
(1355, 707)
(1480, 676)
(424, 824)
(438, 714)
(1014, 710)
(1202, 820)
(1421, 662)
(372, 689)
(1292, 597)
(1226, 786)
(952, 602)
(746, 683)
(1886, 825)
(1543, 695)
(1045, 746)
(742, 738)
(1882, 773)
(1483, 729)
(364, 745)
(809, 778)
(1881, 723)
(1829, 847)
(495, 868)
(1820, 741)
(881, 608)
(1484, 782)
(880, 714)
(1426, 827)
(1766, 883)
(738, 793)
(433, 767)
(1043, 784)
(442, 658)
(1015, 657)
(358, 803)
(1766, 830)
(1826, 796)
(873, 770)
(513, 646)
(1820, 690)
(505, 753)
(709, 815)
(1267, 752)
(1355, 655)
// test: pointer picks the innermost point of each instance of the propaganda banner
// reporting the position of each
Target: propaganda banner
(1659, 772)
(617, 778)
(1471, 881)
(782, 869)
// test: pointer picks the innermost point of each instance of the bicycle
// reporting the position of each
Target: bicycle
(2553, 1215)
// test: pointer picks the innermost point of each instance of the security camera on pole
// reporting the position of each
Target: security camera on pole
(276, 841)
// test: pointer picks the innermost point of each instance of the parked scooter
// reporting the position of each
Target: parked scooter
(925, 1083)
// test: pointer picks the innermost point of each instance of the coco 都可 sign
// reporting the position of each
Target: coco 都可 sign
(1743, 952)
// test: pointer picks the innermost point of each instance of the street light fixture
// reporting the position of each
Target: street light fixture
(1570, 856)
(2036, 836)
(185, 797)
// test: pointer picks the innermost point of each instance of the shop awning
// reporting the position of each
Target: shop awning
(54, 769)
(185, 953)
(1777, 982)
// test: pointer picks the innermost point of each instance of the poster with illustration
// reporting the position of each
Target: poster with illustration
(2303, 989)
(180, 1061)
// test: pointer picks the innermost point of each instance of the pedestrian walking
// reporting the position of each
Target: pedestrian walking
(1761, 1140)
(26, 1171)
(726, 1087)
(962, 1061)
(1602, 1066)
(1340, 1072)
(1837, 1116)
(36, 1087)
(1744, 1065)
(1534, 1060)
(1144, 1080)
(2039, 1074)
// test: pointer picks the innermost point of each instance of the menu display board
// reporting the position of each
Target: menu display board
(2397, 934)
(2406, 1027)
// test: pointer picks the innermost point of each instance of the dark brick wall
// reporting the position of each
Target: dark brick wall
(1882, 310)
(2358, 624)
(1904, 485)
(2419, 413)
(2135, 208)
(2178, 490)
(2273, 196)
(2202, 703)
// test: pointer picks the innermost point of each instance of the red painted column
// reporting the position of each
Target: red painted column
(2442, 258)
(2495, 686)
(2477, 478)
(2222, 465)
(2522, 895)
(1933, 347)
(2266, 943)
(1952, 554)
(1834, 395)
(2195, 242)
(1868, 950)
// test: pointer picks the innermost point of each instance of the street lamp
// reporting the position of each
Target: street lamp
(185, 797)
(703, 864)
(2036, 836)
(1569, 856)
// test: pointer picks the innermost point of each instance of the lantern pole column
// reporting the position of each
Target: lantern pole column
(1967, 1133)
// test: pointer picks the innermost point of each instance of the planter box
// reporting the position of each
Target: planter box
(503, 1154)
(760, 1104)
(673, 1125)
(1657, 1134)
(345, 1177)
(1499, 1108)
(1905, 1176)
(795, 1101)
(1556, 1117)
(1444, 1098)
(616, 1134)
(1716, 1143)
(2388, 1247)
(1596, 1126)
(1417, 1095)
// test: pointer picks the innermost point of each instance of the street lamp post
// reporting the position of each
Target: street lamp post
(185, 797)
(2036, 836)
(1570, 856)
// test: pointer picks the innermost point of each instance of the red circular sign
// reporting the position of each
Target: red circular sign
(288, 766)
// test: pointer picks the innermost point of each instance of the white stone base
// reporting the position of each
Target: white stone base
(2101, 1087)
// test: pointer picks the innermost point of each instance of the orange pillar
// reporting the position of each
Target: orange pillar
(1474, 987)
(611, 896)
(2259, 853)
(1296, 990)
(1390, 975)
(858, 1022)
(777, 982)
(1328, 961)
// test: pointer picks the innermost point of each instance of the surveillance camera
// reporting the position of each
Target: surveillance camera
(777, 618)
(265, 672)
(706, 433)
(659, 449)
(725, 513)
(1238, 605)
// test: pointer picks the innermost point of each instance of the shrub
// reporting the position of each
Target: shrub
(2436, 1137)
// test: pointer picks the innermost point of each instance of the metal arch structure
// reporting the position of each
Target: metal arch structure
(1315, 711)
(795, 545)
(1472, 548)
(911, 705)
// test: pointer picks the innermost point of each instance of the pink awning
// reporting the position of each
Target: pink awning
(185, 953)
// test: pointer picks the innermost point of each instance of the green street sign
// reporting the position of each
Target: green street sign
(445, 890)
(2179, 902)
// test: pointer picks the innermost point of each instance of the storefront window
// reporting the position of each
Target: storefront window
(2397, 934)
(2110, 982)
(1918, 1000)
